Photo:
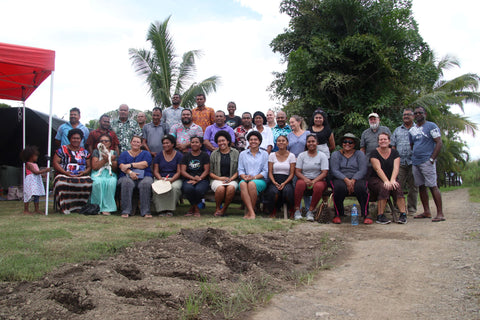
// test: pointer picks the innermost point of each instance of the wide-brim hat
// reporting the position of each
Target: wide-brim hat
(161, 186)
(350, 136)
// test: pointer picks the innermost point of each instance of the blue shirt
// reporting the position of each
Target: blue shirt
(401, 141)
(62, 133)
(277, 132)
(422, 140)
(296, 145)
(126, 158)
(253, 165)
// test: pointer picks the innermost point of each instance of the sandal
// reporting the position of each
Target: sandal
(422, 216)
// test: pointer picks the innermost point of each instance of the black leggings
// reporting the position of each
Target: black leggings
(340, 192)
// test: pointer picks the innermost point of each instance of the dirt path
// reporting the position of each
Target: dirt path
(421, 270)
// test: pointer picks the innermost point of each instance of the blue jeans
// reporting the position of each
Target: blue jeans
(126, 192)
(195, 193)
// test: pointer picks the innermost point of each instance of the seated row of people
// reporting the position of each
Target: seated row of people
(280, 175)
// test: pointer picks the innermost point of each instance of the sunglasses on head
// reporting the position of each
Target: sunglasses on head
(348, 141)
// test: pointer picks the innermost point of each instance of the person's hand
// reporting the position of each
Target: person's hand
(308, 182)
(197, 178)
(350, 185)
(388, 185)
(395, 184)
(248, 177)
(280, 186)
(192, 182)
(133, 175)
(154, 154)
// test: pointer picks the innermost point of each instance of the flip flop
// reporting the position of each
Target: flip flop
(438, 219)
(422, 216)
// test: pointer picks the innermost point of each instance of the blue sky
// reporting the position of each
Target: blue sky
(92, 37)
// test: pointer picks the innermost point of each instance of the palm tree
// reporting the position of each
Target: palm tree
(162, 72)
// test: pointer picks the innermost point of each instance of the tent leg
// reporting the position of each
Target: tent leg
(47, 182)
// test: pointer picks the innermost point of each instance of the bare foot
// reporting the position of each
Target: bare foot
(40, 212)
(27, 212)
(125, 215)
(106, 213)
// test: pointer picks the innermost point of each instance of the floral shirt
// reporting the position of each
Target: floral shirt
(183, 134)
(241, 137)
(73, 161)
(125, 131)
(203, 118)
(277, 132)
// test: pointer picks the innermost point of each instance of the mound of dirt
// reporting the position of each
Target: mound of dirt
(152, 280)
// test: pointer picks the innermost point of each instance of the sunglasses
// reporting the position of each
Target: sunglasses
(102, 141)
(418, 112)
(348, 141)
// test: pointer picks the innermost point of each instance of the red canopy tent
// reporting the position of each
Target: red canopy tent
(22, 70)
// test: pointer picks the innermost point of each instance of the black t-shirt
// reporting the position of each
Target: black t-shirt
(225, 164)
(195, 164)
(234, 122)
(322, 136)
(386, 164)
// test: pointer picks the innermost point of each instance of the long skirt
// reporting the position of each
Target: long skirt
(103, 190)
(33, 186)
(71, 193)
(168, 201)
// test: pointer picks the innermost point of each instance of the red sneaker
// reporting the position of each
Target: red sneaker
(367, 221)
(337, 220)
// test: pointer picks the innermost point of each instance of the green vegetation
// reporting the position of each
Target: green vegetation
(162, 72)
(474, 193)
(31, 246)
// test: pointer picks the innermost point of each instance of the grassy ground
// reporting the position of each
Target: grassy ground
(31, 245)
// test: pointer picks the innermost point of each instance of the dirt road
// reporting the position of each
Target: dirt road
(421, 270)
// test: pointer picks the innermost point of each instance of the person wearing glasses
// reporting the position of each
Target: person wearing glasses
(369, 138)
(401, 142)
(104, 184)
(348, 168)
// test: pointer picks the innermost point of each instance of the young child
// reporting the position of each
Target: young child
(33, 185)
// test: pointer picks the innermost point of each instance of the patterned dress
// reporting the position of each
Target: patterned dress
(72, 193)
(33, 185)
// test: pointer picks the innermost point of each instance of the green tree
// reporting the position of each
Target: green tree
(162, 72)
(350, 58)
(4, 105)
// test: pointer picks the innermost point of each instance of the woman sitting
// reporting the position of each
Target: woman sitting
(298, 137)
(166, 166)
(311, 170)
(195, 167)
(72, 185)
(383, 181)
(281, 170)
(253, 170)
(135, 172)
(348, 168)
(104, 183)
(320, 126)
(223, 172)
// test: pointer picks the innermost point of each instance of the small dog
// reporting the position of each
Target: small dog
(102, 149)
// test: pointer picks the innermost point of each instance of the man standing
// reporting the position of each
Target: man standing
(185, 130)
(426, 141)
(173, 115)
(281, 129)
(153, 133)
(209, 136)
(61, 138)
(141, 119)
(401, 141)
(103, 128)
(241, 131)
(202, 115)
(369, 139)
(125, 128)
(233, 121)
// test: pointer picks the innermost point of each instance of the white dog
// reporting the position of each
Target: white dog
(102, 149)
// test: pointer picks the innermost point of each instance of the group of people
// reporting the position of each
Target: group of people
(194, 150)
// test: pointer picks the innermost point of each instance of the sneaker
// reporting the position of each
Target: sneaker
(337, 220)
(298, 215)
(382, 219)
(402, 219)
(367, 220)
(310, 216)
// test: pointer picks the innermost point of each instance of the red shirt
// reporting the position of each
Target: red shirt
(94, 136)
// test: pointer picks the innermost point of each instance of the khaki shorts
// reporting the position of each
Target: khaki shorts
(217, 183)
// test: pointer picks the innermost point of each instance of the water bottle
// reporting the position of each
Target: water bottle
(354, 215)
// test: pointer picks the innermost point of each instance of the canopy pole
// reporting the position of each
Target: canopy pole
(47, 182)
(23, 142)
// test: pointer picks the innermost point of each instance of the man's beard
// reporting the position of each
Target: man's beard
(186, 121)
(374, 126)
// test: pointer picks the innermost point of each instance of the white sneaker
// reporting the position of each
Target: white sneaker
(298, 215)
(310, 216)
